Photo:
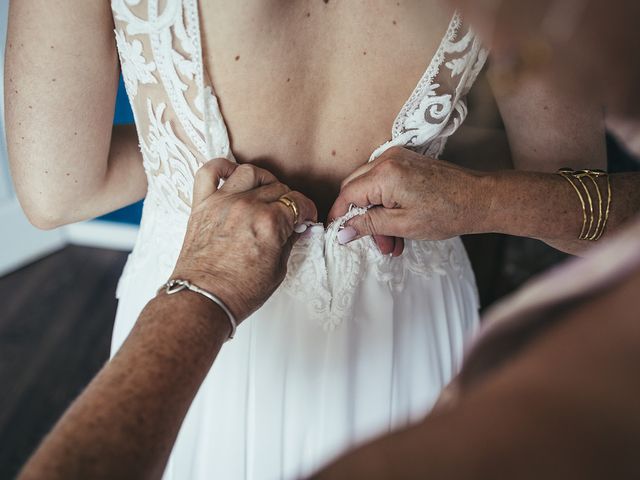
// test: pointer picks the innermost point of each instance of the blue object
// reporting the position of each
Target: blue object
(124, 115)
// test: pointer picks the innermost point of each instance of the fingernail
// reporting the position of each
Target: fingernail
(346, 235)
(300, 228)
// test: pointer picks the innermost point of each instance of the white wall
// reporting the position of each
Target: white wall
(5, 183)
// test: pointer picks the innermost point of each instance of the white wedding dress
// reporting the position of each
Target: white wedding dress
(353, 343)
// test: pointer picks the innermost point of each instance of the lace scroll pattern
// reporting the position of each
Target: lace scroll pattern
(178, 119)
(437, 106)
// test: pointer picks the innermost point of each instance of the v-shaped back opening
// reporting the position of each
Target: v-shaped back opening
(423, 83)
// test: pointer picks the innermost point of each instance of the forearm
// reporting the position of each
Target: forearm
(125, 422)
(544, 206)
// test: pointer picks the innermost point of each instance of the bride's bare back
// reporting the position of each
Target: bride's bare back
(309, 89)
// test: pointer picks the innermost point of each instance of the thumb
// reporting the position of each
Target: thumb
(208, 178)
(377, 221)
(363, 190)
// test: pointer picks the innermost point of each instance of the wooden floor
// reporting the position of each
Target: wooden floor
(56, 317)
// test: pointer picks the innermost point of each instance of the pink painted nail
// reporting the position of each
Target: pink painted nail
(346, 235)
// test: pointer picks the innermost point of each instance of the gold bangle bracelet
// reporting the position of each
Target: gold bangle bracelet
(588, 231)
(606, 213)
(578, 177)
(590, 175)
(565, 173)
(602, 220)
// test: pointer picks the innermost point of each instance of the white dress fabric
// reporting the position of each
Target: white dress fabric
(353, 343)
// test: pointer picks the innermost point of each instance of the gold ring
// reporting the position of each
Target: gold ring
(292, 206)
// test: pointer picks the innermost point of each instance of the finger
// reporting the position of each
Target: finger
(307, 211)
(363, 191)
(270, 193)
(361, 170)
(208, 178)
(399, 247)
(247, 177)
(286, 251)
(385, 244)
(286, 218)
(377, 221)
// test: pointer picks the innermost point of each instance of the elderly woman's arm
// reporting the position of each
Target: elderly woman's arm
(548, 126)
(421, 198)
(125, 422)
(61, 76)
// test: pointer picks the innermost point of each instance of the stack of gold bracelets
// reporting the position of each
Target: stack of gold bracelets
(585, 182)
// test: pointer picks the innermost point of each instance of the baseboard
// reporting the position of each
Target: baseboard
(102, 234)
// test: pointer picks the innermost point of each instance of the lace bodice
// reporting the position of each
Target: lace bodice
(180, 126)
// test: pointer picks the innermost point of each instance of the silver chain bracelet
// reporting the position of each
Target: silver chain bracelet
(178, 285)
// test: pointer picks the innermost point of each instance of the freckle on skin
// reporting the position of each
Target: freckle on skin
(237, 57)
(325, 1)
(333, 153)
(308, 14)
(394, 22)
(288, 80)
(30, 106)
(68, 174)
(364, 53)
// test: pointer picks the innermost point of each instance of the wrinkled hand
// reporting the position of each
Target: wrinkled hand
(413, 197)
(239, 236)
